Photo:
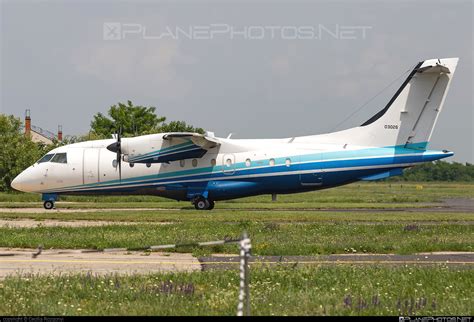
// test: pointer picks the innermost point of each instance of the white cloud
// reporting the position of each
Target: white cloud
(138, 64)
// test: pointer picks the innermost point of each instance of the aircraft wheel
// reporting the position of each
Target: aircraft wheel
(48, 204)
(211, 205)
(202, 204)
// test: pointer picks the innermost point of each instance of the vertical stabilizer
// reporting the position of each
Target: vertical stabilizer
(410, 115)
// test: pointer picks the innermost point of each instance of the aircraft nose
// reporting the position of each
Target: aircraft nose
(19, 182)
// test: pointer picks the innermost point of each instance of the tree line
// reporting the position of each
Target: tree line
(438, 171)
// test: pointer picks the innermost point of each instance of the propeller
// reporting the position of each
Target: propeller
(117, 148)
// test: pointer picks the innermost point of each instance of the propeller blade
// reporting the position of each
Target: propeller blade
(119, 152)
(119, 164)
(117, 148)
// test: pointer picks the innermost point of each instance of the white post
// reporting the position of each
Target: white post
(244, 293)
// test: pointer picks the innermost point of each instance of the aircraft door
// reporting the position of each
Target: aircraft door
(90, 166)
(311, 172)
(107, 169)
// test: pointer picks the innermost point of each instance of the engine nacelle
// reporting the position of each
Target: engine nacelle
(165, 147)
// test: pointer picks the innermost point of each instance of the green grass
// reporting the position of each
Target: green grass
(335, 290)
(229, 216)
(267, 238)
(285, 227)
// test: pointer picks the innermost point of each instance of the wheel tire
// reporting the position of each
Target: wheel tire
(211, 205)
(202, 204)
(48, 204)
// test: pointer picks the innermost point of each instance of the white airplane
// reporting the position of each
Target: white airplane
(204, 168)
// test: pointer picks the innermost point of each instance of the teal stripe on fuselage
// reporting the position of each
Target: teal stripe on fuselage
(315, 157)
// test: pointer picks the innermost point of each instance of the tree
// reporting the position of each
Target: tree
(180, 126)
(17, 151)
(438, 171)
(134, 120)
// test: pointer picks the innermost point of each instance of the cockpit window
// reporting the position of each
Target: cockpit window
(46, 158)
(60, 158)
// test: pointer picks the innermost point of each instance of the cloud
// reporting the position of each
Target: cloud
(137, 64)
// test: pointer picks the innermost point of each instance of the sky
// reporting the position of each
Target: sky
(260, 69)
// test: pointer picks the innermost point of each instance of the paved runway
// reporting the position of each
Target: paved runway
(447, 258)
(21, 261)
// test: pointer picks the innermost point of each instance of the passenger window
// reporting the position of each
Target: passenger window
(46, 158)
(182, 163)
(272, 162)
(60, 158)
(248, 163)
(213, 162)
(228, 163)
(288, 162)
(195, 163)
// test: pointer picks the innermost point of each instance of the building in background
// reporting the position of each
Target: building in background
(39, 135)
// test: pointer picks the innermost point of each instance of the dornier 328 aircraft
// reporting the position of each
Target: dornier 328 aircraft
(204, 168)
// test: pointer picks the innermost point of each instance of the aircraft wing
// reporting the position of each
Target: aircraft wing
(159, 148)
(201, 140)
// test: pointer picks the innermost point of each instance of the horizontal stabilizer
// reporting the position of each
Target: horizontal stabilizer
(434, 68)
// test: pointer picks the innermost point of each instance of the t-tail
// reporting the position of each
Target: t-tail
(409, 117)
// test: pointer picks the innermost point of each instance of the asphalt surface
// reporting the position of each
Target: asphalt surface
(447, 258)
(68, 261)
(60, 262)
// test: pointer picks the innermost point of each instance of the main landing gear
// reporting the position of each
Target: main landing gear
(202, 203)
(48, 204)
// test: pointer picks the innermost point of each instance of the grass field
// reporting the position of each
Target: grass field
(267, 238)
(294, 225)
(280, 291)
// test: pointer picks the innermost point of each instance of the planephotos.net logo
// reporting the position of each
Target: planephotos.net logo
(122, 31)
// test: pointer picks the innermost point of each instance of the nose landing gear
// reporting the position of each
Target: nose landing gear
(201, 203)
(49, 200)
